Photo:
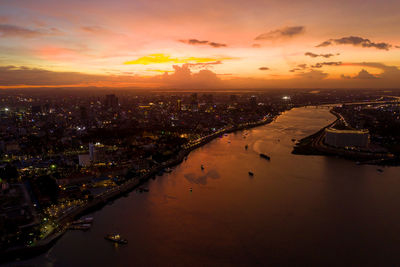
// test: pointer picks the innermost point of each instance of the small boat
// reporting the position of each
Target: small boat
(293, 140)
(190, 189)
(116, 238)
(202, 167)
(246, 147)
(83, 227)
(141, 189)
(251, 174)
(265, 156)
(379, 170)
(168, 170)
(83, 221)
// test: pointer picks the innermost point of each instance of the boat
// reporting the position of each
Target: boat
(246, 147)
(168, 170)
(202, 167)
(142, 189)
(265, 156)
(116, 238)
(83, 221)
(379, 170)
(293, 140)
(83, 227)
(251, 174)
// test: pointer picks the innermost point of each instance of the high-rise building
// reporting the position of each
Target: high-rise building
(253, 101)
(111, 101)
(83, 112)
(179, 104)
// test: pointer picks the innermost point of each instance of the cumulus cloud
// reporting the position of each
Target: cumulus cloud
(363, 75)
(321, 64)
(356, 41)
(310, 54)
(198, 42)
(263, 68)
(282, 33)
(389, 73)
(183, 77)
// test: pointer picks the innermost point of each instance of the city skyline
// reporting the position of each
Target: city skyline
(197, 45)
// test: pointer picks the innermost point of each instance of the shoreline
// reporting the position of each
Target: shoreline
(314, 145)
(41, 246)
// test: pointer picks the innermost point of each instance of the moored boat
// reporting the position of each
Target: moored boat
(116, 238)
(265, 156)
(83, 220)
(83, 227)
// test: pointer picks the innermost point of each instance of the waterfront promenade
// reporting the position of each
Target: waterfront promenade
(102, 199)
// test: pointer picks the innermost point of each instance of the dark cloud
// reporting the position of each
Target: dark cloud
(299, 67)
(389, 73)
(263, 68)
(286, 32)
(313, 74)
(310, 54)
(320, 65)
(12, 75)
(7, 30)
(203, 65)
(356, 41)
(199, 42)
(363, 75)
(397, 46)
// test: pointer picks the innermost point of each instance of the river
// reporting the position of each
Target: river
(295, 210)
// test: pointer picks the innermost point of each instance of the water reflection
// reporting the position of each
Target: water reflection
(296, 209)
(195, 178)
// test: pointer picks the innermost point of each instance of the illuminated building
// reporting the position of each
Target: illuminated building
(346, 138)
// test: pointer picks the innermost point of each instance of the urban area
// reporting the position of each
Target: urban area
(64, 153)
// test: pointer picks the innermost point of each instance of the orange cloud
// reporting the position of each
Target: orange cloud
(165, 58)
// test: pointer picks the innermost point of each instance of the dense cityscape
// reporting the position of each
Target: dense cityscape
(199, 133)
(62, 153)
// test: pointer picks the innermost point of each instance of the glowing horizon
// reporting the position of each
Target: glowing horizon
(187, 44)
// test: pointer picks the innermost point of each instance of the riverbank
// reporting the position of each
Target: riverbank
(314, 145)
(101, 200)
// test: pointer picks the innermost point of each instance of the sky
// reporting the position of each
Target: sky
(200, 44)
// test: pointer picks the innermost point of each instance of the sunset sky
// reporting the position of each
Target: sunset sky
(200, 44)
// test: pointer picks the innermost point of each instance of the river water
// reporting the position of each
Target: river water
(295, 210)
